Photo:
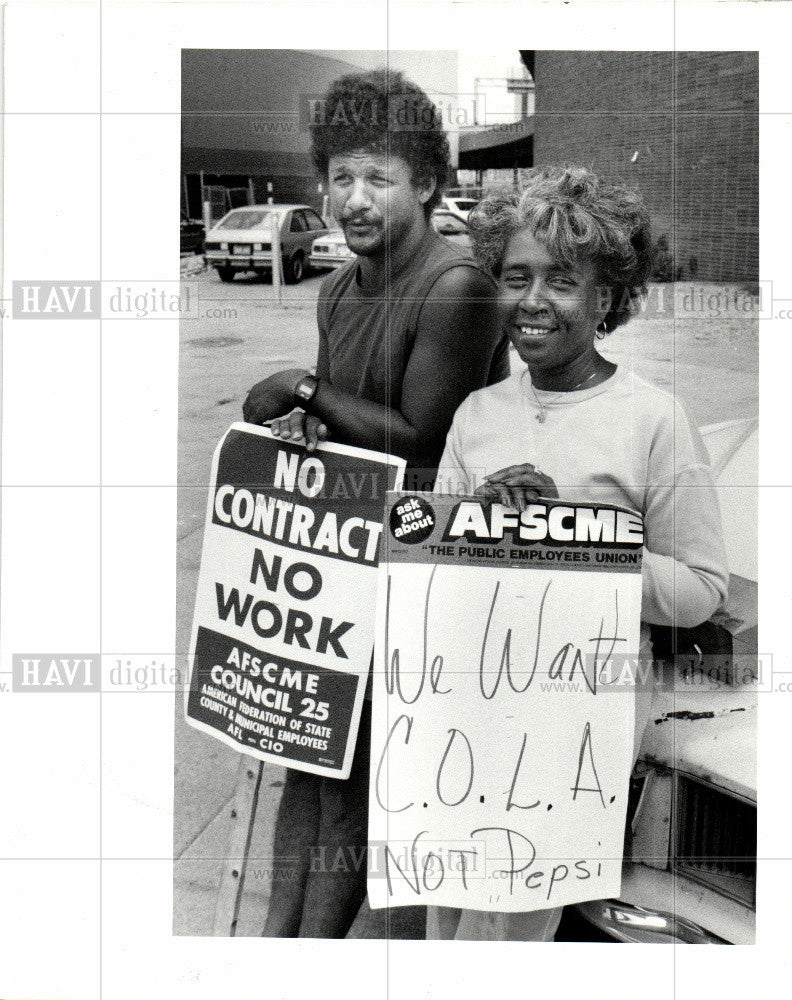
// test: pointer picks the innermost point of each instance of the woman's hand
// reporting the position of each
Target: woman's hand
(517, 486)
(300, 428)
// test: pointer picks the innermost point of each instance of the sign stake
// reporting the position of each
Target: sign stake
(242, 809)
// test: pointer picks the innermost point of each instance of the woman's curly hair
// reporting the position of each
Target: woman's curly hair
(383, 112)
(577, 216)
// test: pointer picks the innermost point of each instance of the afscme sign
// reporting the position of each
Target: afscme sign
(284, 614)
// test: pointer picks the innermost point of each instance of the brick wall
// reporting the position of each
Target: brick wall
(682, 127)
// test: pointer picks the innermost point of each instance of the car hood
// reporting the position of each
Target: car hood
(710, 733)
(704, 727)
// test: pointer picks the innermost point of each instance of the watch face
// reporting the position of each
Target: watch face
(306, 388)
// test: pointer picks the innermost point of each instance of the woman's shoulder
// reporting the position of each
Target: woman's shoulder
(504, 393)
(649, 399)
(665, 418)
(486, 407)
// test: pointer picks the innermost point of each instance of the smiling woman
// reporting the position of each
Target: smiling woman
(571, 256)
(550, 309)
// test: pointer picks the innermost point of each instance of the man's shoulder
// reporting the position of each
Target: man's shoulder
(333, 287)
(443, 269)
(462, 276)
(455, 283)
(334, 283)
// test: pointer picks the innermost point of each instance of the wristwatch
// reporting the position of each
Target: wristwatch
(305, 390)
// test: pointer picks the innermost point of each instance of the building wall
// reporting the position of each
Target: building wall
(682, 127)
(241, 112)
(241, 116)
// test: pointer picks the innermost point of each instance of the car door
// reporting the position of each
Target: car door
(294, 233)
(314, 228)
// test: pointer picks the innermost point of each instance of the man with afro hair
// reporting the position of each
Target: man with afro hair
(406, 332)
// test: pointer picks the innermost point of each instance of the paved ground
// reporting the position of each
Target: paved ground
(242, 335)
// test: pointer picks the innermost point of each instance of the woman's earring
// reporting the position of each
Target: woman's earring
(601, 331)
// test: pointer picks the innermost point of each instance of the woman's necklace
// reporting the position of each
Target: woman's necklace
(541, 416)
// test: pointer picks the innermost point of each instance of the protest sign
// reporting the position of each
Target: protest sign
(503, 714)
(284, 613)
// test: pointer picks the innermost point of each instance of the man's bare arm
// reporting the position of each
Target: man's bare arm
(273, 397)
(454, 344)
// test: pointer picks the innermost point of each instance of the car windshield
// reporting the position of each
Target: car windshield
(247, 218)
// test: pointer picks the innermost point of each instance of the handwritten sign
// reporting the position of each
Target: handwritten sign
(284, 614)
(502, 736)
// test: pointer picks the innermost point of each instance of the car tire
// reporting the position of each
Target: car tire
(295, 269)
(226, 273)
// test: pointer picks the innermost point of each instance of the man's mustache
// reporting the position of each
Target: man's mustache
(360, 221)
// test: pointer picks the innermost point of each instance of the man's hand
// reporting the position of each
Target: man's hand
(517, 486)
(273, 397)
(300, 428)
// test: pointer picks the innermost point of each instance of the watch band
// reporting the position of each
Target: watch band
(305, 390)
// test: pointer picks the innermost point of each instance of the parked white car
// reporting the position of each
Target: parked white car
(690, 853)
(242, 240)
(330, 250)
(459, 206)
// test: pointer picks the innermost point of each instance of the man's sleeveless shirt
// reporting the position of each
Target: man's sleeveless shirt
(370, 336)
